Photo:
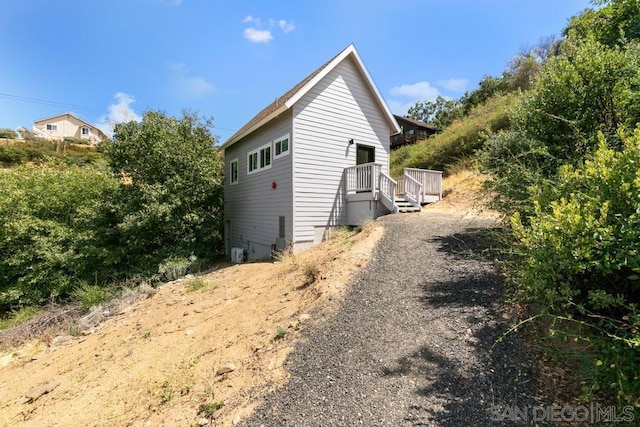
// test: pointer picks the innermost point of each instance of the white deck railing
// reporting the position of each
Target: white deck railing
(419, 186)
(363, 178)
(412, 189)
(387, 186)
(431, 182)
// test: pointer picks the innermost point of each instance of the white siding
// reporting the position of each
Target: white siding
(251, 205)
(339, 108)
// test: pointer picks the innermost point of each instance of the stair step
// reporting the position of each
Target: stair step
(409, 209)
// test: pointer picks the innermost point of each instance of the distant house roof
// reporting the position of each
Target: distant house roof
(100, 133)
(287, 100)
(415, 122)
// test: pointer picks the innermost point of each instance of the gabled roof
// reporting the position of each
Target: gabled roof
(71, 115)
(416, 122)
(292, 96)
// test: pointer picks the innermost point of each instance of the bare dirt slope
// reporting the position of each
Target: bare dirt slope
(159, 361)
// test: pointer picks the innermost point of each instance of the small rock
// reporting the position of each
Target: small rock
(203, 422)
(304, 317)
(226, 368)
(35, 393)
(60, 340)
(189, 332)
(236, 420)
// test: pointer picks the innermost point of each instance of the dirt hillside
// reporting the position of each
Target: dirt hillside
(176, 356)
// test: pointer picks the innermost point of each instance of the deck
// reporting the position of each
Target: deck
(408, 193)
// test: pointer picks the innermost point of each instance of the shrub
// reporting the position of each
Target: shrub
(8, 133)
(79, 141)
(519, 165)
(53, 231)
(581, 261)
(175, 267)
(583, 242)
(91, 295)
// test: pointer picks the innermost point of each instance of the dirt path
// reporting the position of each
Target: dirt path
(411, 343)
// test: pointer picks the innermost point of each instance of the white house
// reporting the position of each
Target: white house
(316, 158)
(67, 125)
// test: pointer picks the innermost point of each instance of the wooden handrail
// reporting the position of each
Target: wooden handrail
(387, 186)
(431, 181)
(412, 189)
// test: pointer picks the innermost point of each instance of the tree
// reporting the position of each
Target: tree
(589, 88)
(171, 199)
(439, 113)
(615, 23)
(488, 87)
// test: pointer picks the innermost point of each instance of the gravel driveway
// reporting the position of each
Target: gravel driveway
(410, 345)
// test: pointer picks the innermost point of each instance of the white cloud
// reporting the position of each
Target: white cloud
(188, 86)
(250, 19)
(285, 26)
(118, 112)
(454, 85)
(405, 96)
(263, 33)
(420, 90)
(257, 36)
(193, 87)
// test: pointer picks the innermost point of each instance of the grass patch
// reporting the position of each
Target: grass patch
(281, 332)
(18, 317)
(196, 283)
(288, 260)
(208, 409)
(91, 296)
(459, 141)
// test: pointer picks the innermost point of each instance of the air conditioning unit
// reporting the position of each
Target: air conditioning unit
(237, 255)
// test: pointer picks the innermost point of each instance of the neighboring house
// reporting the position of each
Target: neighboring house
(314, 159)
(411, 131)
(67, 125)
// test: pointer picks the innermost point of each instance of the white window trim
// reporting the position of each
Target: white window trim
(257, 151)
(282, 153)
(84, 129)
(231, 181)
(52, 127)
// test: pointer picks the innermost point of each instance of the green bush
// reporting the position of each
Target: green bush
(53, 232)
(581, 260)
(175, 267)
(587, 89)
(91, 295)
(519, 165)
(8, 133)
(79, 141)
(583, 242)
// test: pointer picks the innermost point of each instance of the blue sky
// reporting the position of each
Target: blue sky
(110, 60)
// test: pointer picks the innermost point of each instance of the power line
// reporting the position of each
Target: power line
(45, 102)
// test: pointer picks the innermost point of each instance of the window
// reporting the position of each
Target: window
(281, 146)
(259, 159)
(85, 131)
(233, 171)
(52, 127)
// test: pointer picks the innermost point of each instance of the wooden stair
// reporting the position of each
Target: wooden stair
(403, 205)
